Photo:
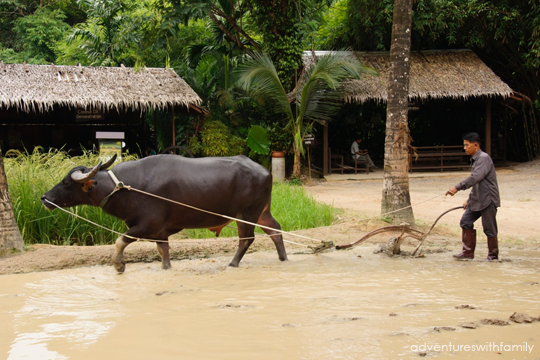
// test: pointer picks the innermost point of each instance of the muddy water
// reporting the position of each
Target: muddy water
(335, 305)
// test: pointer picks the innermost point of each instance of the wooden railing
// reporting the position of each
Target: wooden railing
(441, 158)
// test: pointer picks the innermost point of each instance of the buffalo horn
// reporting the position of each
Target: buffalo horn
(79, 177)
(108, 163)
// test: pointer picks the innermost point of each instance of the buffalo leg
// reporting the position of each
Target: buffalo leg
(247, 233)
(118, 257)
(267, 219)
(163, 249)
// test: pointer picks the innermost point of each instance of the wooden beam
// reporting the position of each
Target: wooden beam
(516, 98)
(173, 129)
(325, 149)
(488, 126)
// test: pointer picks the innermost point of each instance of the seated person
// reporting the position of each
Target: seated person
(361, 154)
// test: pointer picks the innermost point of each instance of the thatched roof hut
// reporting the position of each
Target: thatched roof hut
(38, 88)
(435, 74)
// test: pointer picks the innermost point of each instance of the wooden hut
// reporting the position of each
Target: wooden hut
(434, 74)
(52, 105)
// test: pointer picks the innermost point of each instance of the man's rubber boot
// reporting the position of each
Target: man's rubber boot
(493, 248)
(468, 237)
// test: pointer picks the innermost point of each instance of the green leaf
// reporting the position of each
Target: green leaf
(258, 141)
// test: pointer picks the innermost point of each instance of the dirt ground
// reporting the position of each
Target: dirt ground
(358, 202)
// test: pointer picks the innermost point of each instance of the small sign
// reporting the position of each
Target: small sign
(309, 139)
(95, 114)
(107, 147)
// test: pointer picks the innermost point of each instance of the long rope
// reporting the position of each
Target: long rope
(153, 240)
(224, 216)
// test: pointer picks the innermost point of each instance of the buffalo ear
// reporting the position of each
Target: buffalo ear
(88, 185)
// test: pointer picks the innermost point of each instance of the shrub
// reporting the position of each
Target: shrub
(216, 140)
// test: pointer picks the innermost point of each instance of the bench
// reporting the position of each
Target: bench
(451, 157)
(344, 161)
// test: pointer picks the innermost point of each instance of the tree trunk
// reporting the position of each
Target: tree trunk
(396, 149)
(297, 163)
(10, 237)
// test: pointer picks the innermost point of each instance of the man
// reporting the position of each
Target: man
(483, 200)
(361, 154)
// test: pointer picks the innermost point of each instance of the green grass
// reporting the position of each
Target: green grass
(31, 175)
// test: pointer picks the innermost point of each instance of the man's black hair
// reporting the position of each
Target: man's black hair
(472, 137)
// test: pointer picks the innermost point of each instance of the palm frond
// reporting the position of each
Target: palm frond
(259, 76)
(321, 94)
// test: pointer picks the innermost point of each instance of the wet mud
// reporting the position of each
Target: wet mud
(334, 305)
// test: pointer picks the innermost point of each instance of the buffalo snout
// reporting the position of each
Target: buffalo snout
(46, 202)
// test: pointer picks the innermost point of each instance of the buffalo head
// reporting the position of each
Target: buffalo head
(76, 187)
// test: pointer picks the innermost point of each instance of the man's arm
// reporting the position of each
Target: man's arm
(480, 171)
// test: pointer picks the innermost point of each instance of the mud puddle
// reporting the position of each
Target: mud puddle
(335, 305)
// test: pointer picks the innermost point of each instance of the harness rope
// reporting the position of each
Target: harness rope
(153, 240)
(119, 185)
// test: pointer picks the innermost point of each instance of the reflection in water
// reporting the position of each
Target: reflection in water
(333, 305)
(66, 307)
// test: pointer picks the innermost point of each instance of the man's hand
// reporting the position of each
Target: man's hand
(452, 191)
(465, 205)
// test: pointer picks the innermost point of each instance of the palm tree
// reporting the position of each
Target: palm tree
(396, 149)
(10, 236)
(318, 98)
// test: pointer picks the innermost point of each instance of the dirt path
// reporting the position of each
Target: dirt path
(520, 200)
(359, 200)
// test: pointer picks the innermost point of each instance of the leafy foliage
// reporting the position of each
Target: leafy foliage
(110, 37)
(258, 140)
(505, 33)
(285, 27)
(40, 32)
(216, 140)
(317, 100)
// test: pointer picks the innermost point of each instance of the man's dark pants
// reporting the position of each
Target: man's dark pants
(489, 221)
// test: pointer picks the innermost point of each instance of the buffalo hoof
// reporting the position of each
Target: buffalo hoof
(233, 265)
(120, 268)
(165, 266)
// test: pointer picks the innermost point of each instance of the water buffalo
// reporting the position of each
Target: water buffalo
(232, 186)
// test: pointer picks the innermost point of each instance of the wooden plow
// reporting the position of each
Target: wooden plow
(405, 231)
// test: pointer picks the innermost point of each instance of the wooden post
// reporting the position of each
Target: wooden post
(326, 170)
(488, 126)
(156, 142)
(173, 129)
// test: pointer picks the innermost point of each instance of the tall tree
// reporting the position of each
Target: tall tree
(111, 36)
(505, 34)
(396, 148)
(283, 25)
(10, 236)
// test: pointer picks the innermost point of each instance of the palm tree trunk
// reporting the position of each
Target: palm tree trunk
(10, 237)
(396, 149)
(297, 163)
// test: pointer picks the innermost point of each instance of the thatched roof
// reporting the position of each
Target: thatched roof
(435, 74)
(39, 87)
